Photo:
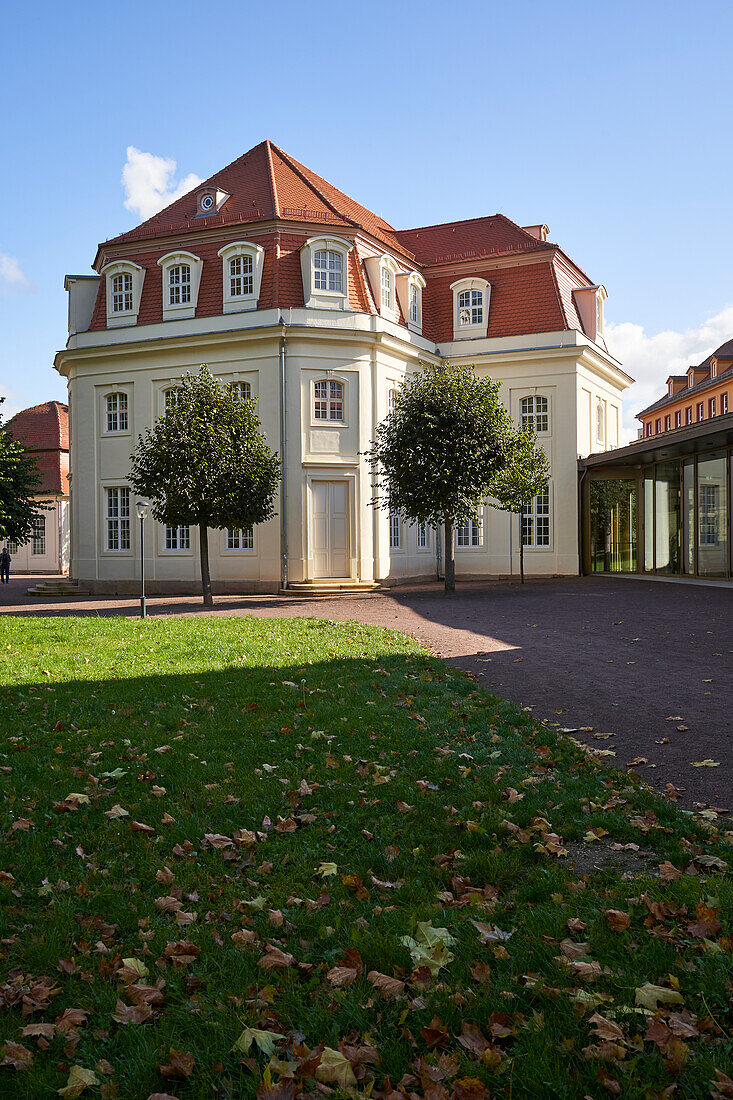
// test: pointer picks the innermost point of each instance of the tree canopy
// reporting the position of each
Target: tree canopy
(19, 481)
(205, 463)
(437, 453)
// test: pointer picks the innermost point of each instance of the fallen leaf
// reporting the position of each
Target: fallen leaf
(180, 1065)
(390, 987)
(651, 996)
(334, 1068)
(706, 763)
(79, 1080)
(16, 1055)
(617, 920)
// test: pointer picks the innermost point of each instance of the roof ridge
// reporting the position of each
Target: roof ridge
(295, 167)
(271, 177)
(558, 295)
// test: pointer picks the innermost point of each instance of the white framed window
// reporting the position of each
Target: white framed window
(391, 399)
(124, 286)
(13, 546)
(470, 534)
(181, 273)
(423, 536)
(171, 397)
(535, 413)
(387, 289)
(395, 530)
(409, 291)
(242, 263)
(328, 270)
(178, 538)
(328, 400)
(240, 391)
(179, 285)
(122, 293)
(709, 497)
(116, 412)
(240, 539)
(118, 518)
(38, 538)
(536, 521)
(600, 423)
(723, 403)
(470, 308)
(713, 369)
(325, 269)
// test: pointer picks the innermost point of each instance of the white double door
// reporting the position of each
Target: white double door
(330, 528)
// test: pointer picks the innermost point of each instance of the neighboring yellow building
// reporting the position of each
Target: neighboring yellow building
(318, 309)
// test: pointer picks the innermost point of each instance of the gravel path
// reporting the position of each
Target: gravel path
(649, 663)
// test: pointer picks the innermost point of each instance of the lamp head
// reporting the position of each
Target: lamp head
(141, 508)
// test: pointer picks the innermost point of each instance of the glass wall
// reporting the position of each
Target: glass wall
(684, 523)
(712, 516)
(667, 532)
(613, 526)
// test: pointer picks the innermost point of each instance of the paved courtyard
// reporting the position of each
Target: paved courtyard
(648, 663)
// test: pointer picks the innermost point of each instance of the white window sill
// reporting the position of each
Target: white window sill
(240, 305)
(470, 332)
(120, 320)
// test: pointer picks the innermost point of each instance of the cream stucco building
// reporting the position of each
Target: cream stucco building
(318, 310)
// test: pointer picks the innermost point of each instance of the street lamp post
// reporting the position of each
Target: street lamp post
(142, 510)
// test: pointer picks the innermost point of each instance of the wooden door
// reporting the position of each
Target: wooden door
(330, 528)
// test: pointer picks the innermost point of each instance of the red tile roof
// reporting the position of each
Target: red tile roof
(264, 184)
(497, 234)
(267, 188)
(44, 431)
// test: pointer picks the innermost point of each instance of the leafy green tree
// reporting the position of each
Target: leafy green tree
(19, 481)
(206, 463)
(437, 453)
(524, 476)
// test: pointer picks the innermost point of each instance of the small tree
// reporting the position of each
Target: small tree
(524, 476)
(437, 453)
(206, 463)
(19, 480)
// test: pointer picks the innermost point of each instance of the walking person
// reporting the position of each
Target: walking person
(5, 565)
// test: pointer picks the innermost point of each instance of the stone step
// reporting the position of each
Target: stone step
(328, 587)
(60, 589)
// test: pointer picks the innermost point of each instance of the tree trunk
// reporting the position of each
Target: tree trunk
(204, 554)
(450, 558)
(521, 555)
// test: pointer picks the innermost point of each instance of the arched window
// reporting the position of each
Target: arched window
(328, 271)
(124, 285)
(171, 397)
(241, 391)
(328, 400)
(179, 285)
(116, 412)
(241, 276)
(470, 308)
(387, 289)
(122, 293)
(600, 423)
(535, 413)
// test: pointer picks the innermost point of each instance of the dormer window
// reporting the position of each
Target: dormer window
(242, 273)
(124, 285)
(179, 285)
(324, 265)
(470, 308)
(387, 289)
(414, 313)
(181, 273)
(409, 292)
(122, 293)
(209, 200)
(328, 271)
(713, 368)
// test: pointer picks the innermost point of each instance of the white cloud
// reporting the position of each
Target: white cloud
(11, 276)
(650, 359)
(149, 182)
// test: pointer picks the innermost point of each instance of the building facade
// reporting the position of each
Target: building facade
(704, 392)
(318, 310)
(44, 431)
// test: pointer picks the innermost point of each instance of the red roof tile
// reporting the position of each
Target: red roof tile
(44, 431)
(465, 239)
(523, 299)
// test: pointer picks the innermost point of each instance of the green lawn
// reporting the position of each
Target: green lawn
(243, 856)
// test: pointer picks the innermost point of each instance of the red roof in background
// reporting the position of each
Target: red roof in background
(44, 431)
(266, 183)
(474, 237)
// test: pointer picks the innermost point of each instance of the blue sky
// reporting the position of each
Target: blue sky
(609, 123)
